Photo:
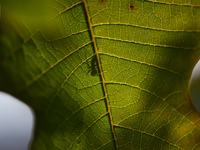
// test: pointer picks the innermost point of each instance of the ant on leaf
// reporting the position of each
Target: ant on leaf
(93, 69)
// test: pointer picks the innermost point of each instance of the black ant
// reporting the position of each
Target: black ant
(93, 69)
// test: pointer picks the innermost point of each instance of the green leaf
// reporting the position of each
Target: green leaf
(106, 74)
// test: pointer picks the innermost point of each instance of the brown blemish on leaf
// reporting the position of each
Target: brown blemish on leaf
(132, 7)
(102, 1)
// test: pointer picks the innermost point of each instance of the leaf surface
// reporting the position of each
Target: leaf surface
(105, 74)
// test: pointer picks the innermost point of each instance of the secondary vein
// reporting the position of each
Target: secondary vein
(101, 72)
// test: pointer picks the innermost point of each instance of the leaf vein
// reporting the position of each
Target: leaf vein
(100, 70)
(79, 110)
(140, 62)
(143, 132)
(52, 66)
(164, 99)
(87, 129)
(169, 3)
(144, 27)
(149, 44)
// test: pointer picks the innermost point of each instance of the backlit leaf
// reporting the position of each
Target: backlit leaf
(105, 74)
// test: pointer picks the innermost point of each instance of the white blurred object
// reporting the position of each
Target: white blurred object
(16, 123)
(195, 86)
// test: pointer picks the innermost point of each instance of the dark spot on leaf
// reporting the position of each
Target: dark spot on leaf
(102, 1)
(132, 7)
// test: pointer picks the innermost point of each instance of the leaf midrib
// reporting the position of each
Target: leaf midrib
(101, 72)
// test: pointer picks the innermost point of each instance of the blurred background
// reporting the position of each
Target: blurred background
(17, 119)
(16, 123)
(195, 86)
